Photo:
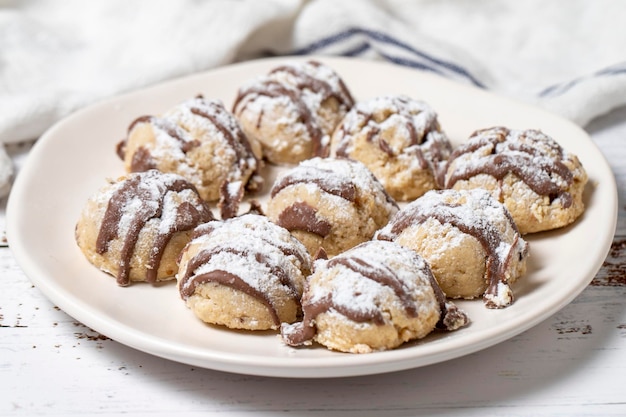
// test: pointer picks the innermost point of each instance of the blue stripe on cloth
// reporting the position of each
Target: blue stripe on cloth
(613, 70)
(363, 47)
(386, 39)
(324, 42)
(559, 89)
(357, 50)
(409, 63)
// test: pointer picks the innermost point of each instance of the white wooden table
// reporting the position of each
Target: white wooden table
(574, 363)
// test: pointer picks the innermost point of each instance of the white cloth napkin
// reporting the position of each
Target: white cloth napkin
(55, 57)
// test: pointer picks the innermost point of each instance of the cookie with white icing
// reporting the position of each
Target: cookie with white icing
(375, 296)
(469, 239)
(540, 183)
(399, 139)
(134, 227)
(291, 112)
(198, 139)
(243, 273)
(329, 203)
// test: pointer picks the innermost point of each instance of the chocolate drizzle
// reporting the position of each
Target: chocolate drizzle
(233, 281)
(383, 276)
(142, 160)
(189, 282)
(205, 256)
(483, 231)
(275, 89)
(503, 154)
(379, 272)
(301, 216)
(256, 250)
(217, 115)
(366, 119)
(272, 88)
(227, 125)
(286, 249)
(147, 192)
(317, 85)
(231, 195)
(325, 179)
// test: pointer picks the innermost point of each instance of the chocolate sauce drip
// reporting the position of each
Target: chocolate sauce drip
(140, 119)
(301, 216)
(271, 88)
(207, 229)
(120, 149)
(320, 254)
(384, 146)
(169, 127)
(348, 101)
(204, 229)
(306, 81)
(210, 110)
(187, 217)
(142, 160)
(275, 90)
(325, 179)
(305, 330)
(528, 163)
(229, 202)
(369, 122)
(372, 133)
(189, 282)
(235, 137)
(485, 233)
(382, 275)
(204, 256)
(446, 309)
(235, 282)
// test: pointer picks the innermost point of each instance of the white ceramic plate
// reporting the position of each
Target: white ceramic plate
(71, 161)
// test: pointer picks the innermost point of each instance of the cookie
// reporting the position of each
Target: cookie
(375, 296)
(329, 203)
(537, 180)
(243, 273)
(198, 139)
(399, 139)
(469, 239)
(134, 227)
(292, 111)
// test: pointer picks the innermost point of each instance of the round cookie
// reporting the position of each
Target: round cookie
(198, 139)
(399, 139)
(328, 203)
(468, 238)
(375, 296)
(292, 111)
(135, 227)
(537, 180)
(243, 273)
